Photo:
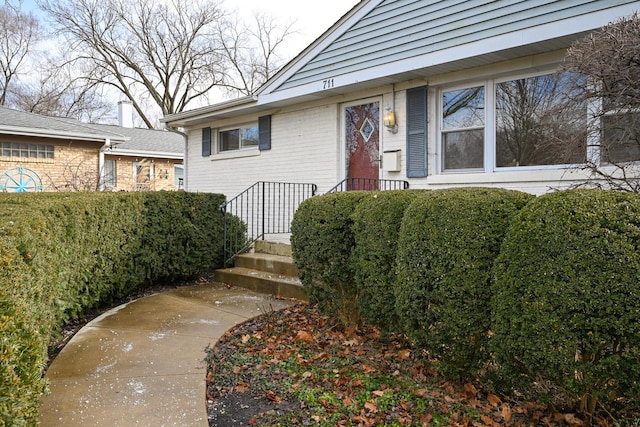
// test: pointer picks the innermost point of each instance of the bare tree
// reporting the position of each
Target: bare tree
(162, 49)
(609, 62)
(60, 91)
(19, 32)
(169, 53)
(250, 51)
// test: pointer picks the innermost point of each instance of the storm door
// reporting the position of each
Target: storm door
(362, 142)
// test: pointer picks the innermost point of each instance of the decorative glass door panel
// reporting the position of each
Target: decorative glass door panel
(362, 133)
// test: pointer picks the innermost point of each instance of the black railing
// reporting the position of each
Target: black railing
(369, 184)
(264, 208)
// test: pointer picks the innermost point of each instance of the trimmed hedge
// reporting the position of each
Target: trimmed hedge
(448, 242)
(322, 242)
(567, 299)
(377, 221)
(63, 253)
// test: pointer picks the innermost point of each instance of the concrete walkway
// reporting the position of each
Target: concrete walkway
(142, 364)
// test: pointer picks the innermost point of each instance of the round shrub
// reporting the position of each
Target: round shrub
(377, 221)
(448, 242)
(567, 298)
(322, 242)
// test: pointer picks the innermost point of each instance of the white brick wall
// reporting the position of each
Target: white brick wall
(308, 134)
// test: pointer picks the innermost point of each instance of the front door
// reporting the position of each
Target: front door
(362, 140)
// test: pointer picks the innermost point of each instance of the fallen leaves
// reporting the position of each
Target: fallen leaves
(296, 358)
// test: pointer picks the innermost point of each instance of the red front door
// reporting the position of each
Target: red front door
(362, 130)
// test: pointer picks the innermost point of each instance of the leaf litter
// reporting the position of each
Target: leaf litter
(296, 367)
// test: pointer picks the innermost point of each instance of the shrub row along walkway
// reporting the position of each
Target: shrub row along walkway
(143, 362)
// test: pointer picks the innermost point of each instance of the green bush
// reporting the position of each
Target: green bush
(322, 242)
(193, 241)
(377, 221)
(61, 254)
(21, 363)
(567, 299)
(448, 242)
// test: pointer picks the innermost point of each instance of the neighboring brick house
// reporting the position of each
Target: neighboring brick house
(40, 153)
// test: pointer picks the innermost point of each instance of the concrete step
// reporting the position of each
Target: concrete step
(276, 264)
(269, 269)
(273, 248)
(261, 281)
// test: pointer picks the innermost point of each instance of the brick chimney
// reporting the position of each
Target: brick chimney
(125, 114)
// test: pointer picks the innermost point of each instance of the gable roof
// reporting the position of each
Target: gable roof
(388, 41)
(381, 42)
(149, 143)
(15, 122)
(124, 141)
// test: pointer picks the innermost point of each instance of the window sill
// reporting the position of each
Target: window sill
(26, 160)
(236, 154)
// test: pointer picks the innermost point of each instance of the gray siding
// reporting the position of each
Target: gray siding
(401, 29)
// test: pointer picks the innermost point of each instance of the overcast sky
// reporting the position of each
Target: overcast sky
(311, 18)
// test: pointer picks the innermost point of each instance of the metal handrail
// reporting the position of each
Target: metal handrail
(369, 184)
(264, 208)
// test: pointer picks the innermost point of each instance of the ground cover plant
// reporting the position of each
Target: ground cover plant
(297, 367)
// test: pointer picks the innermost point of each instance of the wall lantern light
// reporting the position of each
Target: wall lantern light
(389, 121)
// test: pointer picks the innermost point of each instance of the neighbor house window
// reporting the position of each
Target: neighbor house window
(237, 139)
(110, 175)
(178, 176)
(22, 151)
(142, 175)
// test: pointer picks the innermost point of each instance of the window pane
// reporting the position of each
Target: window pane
(464, 149)
(463, 108)
(620, 138)
(110, 173)
(230, 140)
(537, 122)
(250, 137)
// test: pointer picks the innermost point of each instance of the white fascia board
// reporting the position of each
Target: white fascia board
(332, 34)
(203, 113)
(56, 134)
(142, 153)
(516, 39)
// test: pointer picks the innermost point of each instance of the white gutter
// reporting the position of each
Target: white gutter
(49, 133)
(142, 153)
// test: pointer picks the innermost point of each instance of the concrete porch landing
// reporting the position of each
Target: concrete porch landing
(142, 364)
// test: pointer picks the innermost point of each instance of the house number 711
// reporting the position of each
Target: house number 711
(327, 84)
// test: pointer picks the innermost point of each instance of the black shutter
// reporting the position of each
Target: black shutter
(264, 133)
(417, 132)
(206, 142)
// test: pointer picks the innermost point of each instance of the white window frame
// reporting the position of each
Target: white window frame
(490, 161)
(110, 177)
(442, 131)
(239, 128)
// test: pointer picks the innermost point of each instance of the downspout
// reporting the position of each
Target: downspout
(105, 147)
